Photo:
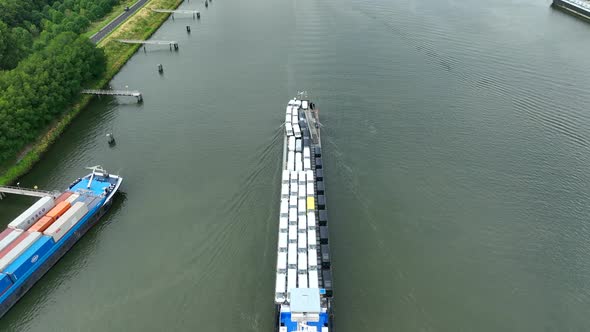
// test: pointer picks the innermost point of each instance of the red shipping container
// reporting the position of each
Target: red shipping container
(13, 244)
(63, 197)
(5, 233)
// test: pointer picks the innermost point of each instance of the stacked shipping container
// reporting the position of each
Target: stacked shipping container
(32, 234)
(62, 225)
(298, 208)
(24, 242)
(32, 214)
(28, 258)
(50, 217)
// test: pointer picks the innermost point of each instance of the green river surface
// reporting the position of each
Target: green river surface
(456, 144)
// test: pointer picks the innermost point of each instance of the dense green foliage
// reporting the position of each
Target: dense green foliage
(41, 86)
(43, 64)
(29, 25)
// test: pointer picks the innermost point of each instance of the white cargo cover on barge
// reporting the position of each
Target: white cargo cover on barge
(303, 289)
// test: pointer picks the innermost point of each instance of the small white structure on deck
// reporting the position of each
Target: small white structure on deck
(305, 306)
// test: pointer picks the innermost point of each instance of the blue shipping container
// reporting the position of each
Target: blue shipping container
(29, 258)
(5, 283)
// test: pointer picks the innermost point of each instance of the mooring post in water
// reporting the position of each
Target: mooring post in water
(110, 138)
(188, 28)
(198, 15)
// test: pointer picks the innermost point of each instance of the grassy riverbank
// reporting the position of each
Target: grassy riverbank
(140, 26)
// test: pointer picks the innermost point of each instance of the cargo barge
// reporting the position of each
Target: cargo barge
(579, 8)
(303, 289)
(34, 241)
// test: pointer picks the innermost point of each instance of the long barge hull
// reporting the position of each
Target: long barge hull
(47, 261)
(304, 129)
(579, 8)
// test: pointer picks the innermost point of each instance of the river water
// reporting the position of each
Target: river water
(456, 139)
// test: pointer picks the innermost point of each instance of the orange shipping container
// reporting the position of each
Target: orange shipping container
(42, 224)
(58, 210)
(63, 197)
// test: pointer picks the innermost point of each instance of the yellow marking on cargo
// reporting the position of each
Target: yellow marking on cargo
(310, 202)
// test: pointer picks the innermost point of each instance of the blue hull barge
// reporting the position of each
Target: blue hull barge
(42, 234)
(303, 290)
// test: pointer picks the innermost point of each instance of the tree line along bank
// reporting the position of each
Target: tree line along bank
(44, 62)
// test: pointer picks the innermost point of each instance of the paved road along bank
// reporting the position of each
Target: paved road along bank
(118, 20)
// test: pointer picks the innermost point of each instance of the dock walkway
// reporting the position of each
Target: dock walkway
(176, 11)
(171, 43)
(130, 93)
(26, 192)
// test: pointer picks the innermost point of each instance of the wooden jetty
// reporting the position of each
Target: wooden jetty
(176, 11)
(171, 43)
(130, 93)
(26, 192)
